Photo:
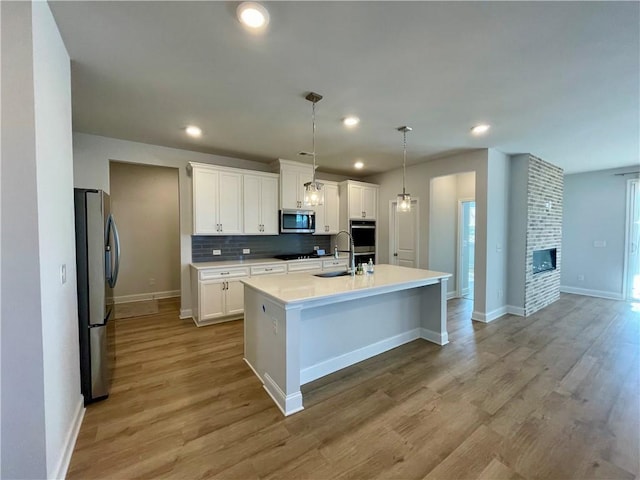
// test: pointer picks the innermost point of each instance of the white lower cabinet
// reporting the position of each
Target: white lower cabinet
(219, 294)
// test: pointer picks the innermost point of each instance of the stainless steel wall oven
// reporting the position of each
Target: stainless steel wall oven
(364, 240)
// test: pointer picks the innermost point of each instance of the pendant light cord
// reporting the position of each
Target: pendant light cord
(404, 161)
(313, 143)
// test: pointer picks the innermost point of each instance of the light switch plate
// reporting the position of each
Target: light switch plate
(63, 273)
(217, 252)
(600, 243)
(246, 251)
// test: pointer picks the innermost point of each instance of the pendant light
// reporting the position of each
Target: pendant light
(313, 191)
(404, 199)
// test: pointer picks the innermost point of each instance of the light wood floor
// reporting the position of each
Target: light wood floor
(555, 395)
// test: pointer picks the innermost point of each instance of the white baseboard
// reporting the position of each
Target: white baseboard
(342, 361)
(288, 404)
(519, 311)
(204, 323)
(141, 297)
(490, 316)
(435, 337)
(185, 313)
(70, 441)
(253, 369)
(592, 293)
(451, 295)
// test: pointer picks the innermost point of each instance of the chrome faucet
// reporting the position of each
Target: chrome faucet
(352, 252)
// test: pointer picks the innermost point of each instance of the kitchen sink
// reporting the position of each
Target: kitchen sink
(332, 274)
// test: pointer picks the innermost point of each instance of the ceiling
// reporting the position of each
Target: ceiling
(558, 80)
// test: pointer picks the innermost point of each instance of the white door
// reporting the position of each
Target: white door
(230, 215)
(252, 204)
(404, 236)
(369, 202)
(289, 189)
(332, 209)
(355, 201)
(269, 206)
(234, 297)
(633, 241)
(211, 300)
(205, 201)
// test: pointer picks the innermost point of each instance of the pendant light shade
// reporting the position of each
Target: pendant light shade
(313, 190)
(403, 203)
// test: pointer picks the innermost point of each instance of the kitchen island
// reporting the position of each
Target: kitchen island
(300, 327)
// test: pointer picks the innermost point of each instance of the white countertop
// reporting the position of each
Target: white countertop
(256, 261)
(304, 287)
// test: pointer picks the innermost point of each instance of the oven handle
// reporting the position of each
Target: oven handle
(362, 226)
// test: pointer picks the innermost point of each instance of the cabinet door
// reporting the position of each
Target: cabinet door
(234, 297)
(369, 202)
(211, 300)
(355, 201)
(205, 201)
(252, 207)
(321, 224)
(331, 209)
(289, 189)
(230, 198)
(269, 206)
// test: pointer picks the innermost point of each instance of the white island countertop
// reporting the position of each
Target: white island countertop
(302, 288)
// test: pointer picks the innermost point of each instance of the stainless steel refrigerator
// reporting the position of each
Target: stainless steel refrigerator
(97, 262)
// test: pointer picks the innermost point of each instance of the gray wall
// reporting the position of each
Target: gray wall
(594, 209)
(41, 401)
(419, 177)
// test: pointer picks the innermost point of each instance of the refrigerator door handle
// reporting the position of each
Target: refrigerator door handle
(112, 275)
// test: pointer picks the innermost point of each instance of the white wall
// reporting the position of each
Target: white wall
(144, 202)
(91, 156)
(594, 209)
(418, 184)
(517, 239)
(42, 405)
(497, 233)
(23, 416)
(54, 163)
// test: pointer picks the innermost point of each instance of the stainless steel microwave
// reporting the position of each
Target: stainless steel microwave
(297, 221)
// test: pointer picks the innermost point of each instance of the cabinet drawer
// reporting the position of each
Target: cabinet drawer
(335, 263)
(223, 273)
(269, 269)
(305, 266)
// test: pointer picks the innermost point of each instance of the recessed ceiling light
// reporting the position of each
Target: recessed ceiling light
(358, 165)
(480, 129)
(351, 121)
(252, 15)
(193, 131)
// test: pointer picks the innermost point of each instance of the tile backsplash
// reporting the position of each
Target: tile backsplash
(262, 246)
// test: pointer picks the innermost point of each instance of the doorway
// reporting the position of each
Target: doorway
(145, 203)
(632, 279)
(404, 236)
(466, 247)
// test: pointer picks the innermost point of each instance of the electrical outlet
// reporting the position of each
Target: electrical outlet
(63, 273)
(316, 248)
(246, 251)
(152, 282)
(217, 252)
(581, 278)
(275, 326)
(600, 243)
(500, 293)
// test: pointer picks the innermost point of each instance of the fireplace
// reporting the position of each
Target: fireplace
(544, 260)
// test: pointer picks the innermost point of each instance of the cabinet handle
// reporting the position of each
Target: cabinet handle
(220, 227)
(268, 269)
(224, 273)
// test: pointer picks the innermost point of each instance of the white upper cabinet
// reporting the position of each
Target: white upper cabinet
(328, 215)
(293, 176)
(260, 204)
(217, 201)
(360, 200)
